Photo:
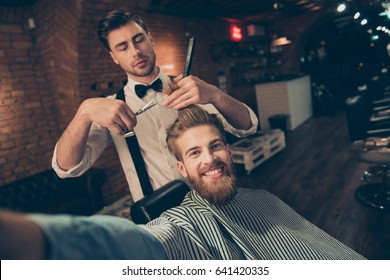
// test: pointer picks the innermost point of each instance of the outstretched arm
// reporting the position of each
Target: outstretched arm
(192, 90)
(40, 236)
(20, 238)
(109, 113)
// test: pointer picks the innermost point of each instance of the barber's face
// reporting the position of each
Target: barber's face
(207, 163)
(132, 48)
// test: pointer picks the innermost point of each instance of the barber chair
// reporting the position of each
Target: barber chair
(362, 123)
(378, 107)
(162, 199)
(376, 152)
(379, 88)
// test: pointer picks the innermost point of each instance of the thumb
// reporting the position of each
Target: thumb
(178, 78)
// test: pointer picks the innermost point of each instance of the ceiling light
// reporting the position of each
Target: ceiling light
(386, 4)
(364, 22)
(356, 15)
(341, 7)
(385, 13)
(281, 41)
(316, 8)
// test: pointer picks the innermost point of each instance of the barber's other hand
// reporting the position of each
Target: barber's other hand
(113, 114)
(190, 90)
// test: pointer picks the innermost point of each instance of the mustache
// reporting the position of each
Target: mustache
(140, 58)
(214, 164)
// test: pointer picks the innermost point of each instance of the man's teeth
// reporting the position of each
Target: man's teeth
(213, 172)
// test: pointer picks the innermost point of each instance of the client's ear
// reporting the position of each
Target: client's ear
(182, 169)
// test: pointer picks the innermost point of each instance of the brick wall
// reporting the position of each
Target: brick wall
(27, 118)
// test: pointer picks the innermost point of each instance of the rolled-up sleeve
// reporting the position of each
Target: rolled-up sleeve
(97, 237)
(98, 139)
(229, 128)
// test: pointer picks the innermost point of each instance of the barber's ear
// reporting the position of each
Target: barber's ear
(182, 169)
(114, 58)
(229, 149)
(151, 38)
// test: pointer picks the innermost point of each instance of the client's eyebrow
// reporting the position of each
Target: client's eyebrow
(191, 149)
(217, 140)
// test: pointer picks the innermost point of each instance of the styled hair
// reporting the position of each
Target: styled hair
(114, 20)
(189, 117)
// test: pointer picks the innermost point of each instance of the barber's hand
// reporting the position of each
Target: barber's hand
(113, 114)
(190, 90)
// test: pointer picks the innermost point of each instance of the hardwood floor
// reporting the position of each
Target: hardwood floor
(317, 175)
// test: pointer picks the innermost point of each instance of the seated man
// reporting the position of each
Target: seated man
(216, 220)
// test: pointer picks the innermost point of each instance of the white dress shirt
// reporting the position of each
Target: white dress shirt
(151, 134)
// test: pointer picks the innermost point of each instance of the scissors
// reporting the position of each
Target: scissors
(187, 69)
(148, 105)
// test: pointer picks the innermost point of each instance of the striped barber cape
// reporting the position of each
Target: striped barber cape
(254, 225)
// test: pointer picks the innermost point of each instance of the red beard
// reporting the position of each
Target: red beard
(219, 192)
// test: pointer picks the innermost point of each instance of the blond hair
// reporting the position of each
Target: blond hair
(189, 117)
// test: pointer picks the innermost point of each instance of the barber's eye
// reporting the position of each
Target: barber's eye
(123, 48)
(139, 40)
(216, 146)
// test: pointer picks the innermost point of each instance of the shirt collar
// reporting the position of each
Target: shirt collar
(132, 83)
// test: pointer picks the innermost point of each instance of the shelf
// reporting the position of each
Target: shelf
(253, 82)
(252, 68)
(255, 56)
(249, 62)
(268, 79)
(243, 49)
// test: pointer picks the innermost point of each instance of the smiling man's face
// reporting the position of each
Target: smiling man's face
(207, 163)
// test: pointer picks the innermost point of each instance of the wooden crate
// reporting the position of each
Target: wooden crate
(253, 151)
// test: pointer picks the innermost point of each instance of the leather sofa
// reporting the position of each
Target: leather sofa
(45, 192)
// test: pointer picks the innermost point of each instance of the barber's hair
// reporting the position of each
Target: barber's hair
(189, 117)
(114, 20)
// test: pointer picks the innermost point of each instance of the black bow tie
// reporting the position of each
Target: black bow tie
(141, 90)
